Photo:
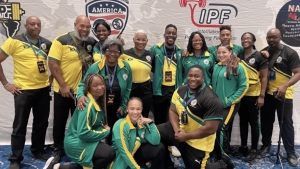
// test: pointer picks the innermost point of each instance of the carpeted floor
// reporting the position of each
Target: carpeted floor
(260, 163)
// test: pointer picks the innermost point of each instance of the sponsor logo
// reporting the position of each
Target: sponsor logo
(288, 22)
(10, 16)
(114, 12)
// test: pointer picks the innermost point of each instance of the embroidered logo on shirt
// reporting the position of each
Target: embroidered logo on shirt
(279, 59)
(206, 61)
(193, 102)
(252, 61)
(148, 58)
(143, 134)
(43, 46)
(125, 76)
(89, 48)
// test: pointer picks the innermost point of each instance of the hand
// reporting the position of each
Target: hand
(259, 102)
(180, 135)
(121, 40)
(185, 53)
(121, 111)
(81, 103)
(265, 53)
(15, 90)
(106, 126)
(65, 91)
(281, 91)
(142, 120)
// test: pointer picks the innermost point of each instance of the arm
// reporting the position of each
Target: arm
(174, 118)
(264, 83)
(3, 79)
(152, 135)
(209, 128)
(127, 91)
(243, 85)
(84, 125)
(157, 75)
(120, 135)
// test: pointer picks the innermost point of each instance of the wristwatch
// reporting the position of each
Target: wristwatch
(262, 95)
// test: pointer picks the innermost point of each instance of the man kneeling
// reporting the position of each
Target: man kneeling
(194, 117)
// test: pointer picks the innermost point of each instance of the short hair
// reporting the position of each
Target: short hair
(253, 38)
(105, 24)
(135, 98)
(140, 31)
(198, 67)
(190, 44)
(171, 26)
(225, 27)
(109, 42)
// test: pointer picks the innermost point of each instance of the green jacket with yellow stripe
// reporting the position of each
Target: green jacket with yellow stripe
(161, 67)
(124, 76)
(84, 133)
(206, 61)
(231, 90)
(127, 139)
(236, 49)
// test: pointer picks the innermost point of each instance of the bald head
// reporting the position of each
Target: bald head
(33, 27)
(274, 38)
(82, 27)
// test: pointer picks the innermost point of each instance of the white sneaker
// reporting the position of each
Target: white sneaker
(175, 152)
(48, 162)
(56, 166)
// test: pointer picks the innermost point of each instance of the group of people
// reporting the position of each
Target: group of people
(109, 92)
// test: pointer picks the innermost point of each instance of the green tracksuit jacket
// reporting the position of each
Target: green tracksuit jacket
(230, 91)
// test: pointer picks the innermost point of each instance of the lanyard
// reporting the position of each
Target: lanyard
(100, 47)
(29, 41)
(111, 80)
(169, 61)
(186, 103)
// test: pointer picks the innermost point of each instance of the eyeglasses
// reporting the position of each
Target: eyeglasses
(114, 52)
(272, 37)
(196, 41)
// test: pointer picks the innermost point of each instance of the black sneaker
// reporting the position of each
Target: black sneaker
(14, 165)
(57, 154)
(41, 156)
(264, 150)
(227, 161)
(252, 155)
(242, 151)
(223, 165)
(292, 160)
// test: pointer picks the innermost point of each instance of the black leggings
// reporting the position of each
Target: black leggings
(103, 156)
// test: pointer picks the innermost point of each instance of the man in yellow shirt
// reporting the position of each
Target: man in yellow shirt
(30, 89)
(69, 58)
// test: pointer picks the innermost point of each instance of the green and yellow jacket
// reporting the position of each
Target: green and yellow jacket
(127, 139)
(124, 76)
(206, 61)
(161, 66)
(231, 90)
(84, 133)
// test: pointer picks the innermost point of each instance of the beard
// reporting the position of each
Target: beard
(78, 36)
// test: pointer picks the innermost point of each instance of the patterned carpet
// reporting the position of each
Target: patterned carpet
(260, 163)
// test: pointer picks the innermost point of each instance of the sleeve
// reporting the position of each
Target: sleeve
(56, 50)
(120, 135)
(93, 69)
(152, 135)
(293, 60)
(174, 97)
(8, 47)
(157, 75)
(127, 92)
(242, 88)
(263, 64)
(213, 109)
(179, 72)
(85, 131)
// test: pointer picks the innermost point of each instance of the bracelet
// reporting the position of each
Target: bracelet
(6, 85)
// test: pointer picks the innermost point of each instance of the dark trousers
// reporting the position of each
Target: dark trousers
(267, 116)
(63, 106)
(161, 105)
(249, 114)
(150, 153)
(39, 101)
(103, 156)
(222, 132)
(143, 91)
(193, 158)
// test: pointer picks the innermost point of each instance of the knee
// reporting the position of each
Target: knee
(111, 155)
(161, 150)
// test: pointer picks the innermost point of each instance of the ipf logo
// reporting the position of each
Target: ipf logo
(10, 16)
(115, 13)
(209, 18)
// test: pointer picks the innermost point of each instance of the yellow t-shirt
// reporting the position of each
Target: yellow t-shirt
(67, 55)
(26, 72)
